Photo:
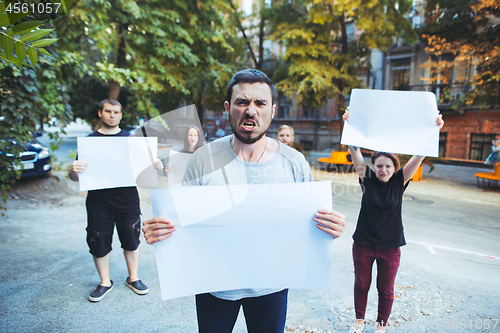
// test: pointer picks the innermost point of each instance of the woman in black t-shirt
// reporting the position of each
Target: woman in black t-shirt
(379, 231)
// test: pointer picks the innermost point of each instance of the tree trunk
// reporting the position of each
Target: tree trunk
(341, 100)
(121, 61)
(261, 43)
(114, 90)
(245, 37)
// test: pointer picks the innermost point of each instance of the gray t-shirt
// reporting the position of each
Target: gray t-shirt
(217, 164)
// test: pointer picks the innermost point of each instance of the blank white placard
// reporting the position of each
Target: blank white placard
(401, 122)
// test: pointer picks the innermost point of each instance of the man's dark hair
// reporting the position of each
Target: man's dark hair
(111, 101)
(249, 76)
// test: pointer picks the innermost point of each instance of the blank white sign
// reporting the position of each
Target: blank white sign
(264, 238)
(401, 122)
(117, 162)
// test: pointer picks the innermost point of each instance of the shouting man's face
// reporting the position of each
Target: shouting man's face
(250, 111)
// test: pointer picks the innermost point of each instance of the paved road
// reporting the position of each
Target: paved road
(449, 271)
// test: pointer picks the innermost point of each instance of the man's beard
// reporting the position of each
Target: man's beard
(247, 141)
(108, 126)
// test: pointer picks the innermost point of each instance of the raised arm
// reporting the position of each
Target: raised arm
(357, 158)
(358, 161)
(412, 166)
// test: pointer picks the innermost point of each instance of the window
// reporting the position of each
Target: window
(447, 75)
(480, 146)
(284, 109)
(306, 145)
(267, 53)
(310, 113)
(400, 74)
(350, 31)
(442, 144)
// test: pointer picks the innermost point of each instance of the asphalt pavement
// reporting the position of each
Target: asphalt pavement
(448, 280)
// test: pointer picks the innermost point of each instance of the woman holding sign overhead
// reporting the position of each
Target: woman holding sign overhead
(379, 230)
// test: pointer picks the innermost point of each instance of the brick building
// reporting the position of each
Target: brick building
(468, 135)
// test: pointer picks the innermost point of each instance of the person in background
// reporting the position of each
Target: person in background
(192, 141)
(286, 135)
(495, 151)
(379, 230)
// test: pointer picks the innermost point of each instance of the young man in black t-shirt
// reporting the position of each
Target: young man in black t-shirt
(108, 207)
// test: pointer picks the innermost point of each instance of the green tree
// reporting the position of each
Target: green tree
(254, 29)
(322, 61)
(218, 48)
(468, 31)
(33, 78)
(28, 97)
(21, 34)
(139, 44)
(156, 52)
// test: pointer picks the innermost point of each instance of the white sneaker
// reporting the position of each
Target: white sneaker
(356, 328)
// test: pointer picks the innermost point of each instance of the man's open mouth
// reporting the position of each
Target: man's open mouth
(249, 124)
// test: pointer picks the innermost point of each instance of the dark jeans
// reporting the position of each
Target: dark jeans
(387, 267)
(263, 314)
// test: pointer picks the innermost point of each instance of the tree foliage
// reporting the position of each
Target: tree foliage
(29, 97)
(217, 48)
(33, 78)
(322, 60)
(469, 32)
(21, 33)
(156, 50)
(139, 44)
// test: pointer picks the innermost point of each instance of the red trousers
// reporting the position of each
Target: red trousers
(387, 267)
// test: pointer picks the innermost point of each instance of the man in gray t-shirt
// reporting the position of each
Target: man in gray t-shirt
(246, 157)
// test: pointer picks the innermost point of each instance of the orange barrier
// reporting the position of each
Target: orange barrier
(491, 178)
(337, 157)
(418, 175)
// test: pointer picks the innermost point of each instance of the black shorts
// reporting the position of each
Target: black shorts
(101, 220)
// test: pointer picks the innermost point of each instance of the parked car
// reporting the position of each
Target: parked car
(35, 157)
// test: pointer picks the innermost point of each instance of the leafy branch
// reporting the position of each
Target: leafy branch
(20, 38)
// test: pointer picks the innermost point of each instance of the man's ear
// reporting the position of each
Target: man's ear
(226, 107)
(99, 113)
(274, 111)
